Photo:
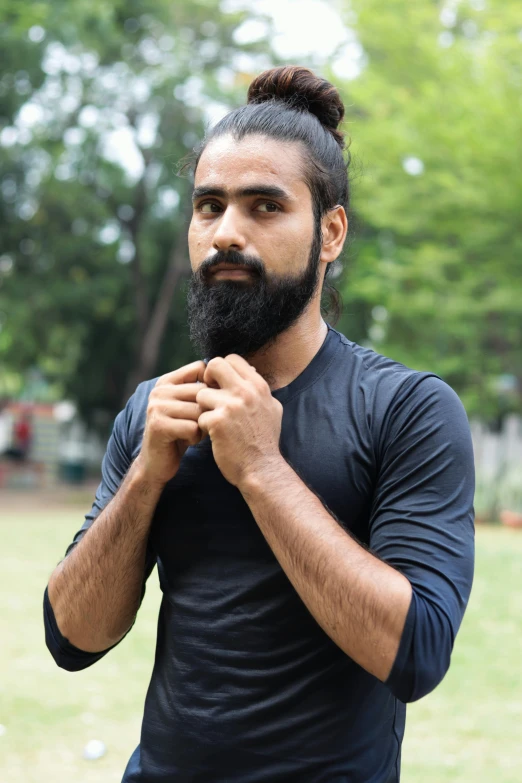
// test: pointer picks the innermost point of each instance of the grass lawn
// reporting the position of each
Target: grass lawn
(469, 730)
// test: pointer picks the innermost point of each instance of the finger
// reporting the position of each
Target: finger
(183, 391)
(194, 436)
(187, 374)
(221, 372)
(195, 439)
(206, 420)
(176, 409)
(241, 366)
(209, 399)
(177, 429)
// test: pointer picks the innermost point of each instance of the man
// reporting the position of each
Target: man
(307, 501)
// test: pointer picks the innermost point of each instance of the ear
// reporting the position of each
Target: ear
(335, 227)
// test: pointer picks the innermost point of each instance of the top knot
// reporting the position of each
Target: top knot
(300, 88)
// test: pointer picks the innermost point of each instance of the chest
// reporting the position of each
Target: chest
(202, 517)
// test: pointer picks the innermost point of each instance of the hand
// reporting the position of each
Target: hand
(241, 417)
(172, 422)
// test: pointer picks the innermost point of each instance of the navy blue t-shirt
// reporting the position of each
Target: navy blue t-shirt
(246, 686)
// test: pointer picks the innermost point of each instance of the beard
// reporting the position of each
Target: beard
(243, 316)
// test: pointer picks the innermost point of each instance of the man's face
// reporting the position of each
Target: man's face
(253, 246)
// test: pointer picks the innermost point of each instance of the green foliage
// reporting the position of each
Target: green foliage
(93, 258)
(441, 250)
(89, 232)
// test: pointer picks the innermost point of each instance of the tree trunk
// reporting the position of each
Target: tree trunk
(150, 341)
(134, 225)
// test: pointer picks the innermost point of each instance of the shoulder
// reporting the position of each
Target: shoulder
(130, 422)
(393, 394)
(136, 407)
(379, 377)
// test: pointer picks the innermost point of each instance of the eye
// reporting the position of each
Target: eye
(268, 206)
(208, 207)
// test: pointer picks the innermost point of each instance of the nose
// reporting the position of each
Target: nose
(229, 233)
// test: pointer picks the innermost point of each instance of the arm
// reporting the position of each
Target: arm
(395, 609)
(115, 465)
(422, 524)
(94, 593)
(358, 600)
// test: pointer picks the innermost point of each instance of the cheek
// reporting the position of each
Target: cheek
(196, 245)
(290, 248)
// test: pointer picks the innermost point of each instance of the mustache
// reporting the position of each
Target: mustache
(232, 257)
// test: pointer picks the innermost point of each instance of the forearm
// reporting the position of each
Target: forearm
(359, 601)
(95, 591)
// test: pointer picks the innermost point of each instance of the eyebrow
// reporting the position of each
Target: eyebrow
(270, 191)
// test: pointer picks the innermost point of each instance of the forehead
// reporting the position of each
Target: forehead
(229, 163)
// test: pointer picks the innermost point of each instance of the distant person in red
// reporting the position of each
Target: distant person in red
(22, 437)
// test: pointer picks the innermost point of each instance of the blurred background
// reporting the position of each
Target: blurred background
(101, 102)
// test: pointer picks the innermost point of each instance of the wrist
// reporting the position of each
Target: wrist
(141, 482)
(263, 475)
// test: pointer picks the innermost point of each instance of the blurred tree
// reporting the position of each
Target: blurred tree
(436, 116)
(99, 101)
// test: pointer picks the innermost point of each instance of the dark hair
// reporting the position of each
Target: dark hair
(291, 103)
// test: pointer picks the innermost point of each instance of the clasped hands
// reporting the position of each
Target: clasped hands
(241, 417)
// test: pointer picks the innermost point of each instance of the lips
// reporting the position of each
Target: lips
(230, 268)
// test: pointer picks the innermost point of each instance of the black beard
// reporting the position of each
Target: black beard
(243, 316)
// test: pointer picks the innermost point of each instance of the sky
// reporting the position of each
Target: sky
(309, 27)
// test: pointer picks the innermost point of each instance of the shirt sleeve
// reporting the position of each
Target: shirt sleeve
(115, 464)
(422, 524)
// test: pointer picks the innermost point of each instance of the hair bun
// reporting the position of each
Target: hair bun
(300, 88)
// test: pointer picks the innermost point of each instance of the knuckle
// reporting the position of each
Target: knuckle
(247, 394)
(218, 417)
(152, 426)
(233, 405)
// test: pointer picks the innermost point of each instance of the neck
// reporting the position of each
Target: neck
(292, 351)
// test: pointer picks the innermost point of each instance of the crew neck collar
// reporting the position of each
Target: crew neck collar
(313, 369)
